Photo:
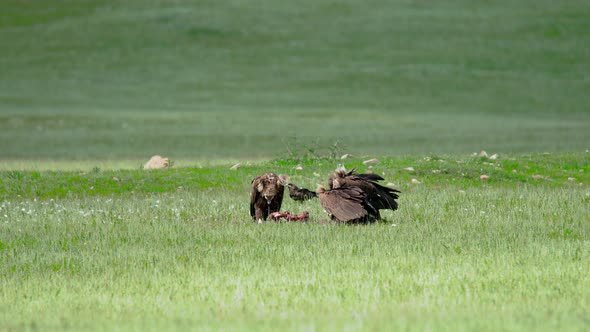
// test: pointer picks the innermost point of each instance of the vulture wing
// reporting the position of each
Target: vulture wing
(379, 196)
(254, 196)
(344, 204)
(293, 191)
(300, 194)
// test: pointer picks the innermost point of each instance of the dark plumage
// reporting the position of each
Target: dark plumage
(300, 194)
(347, 204)
(266, 195)
(380, 197)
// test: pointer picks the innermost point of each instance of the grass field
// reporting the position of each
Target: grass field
(176, 249)
(208, 79)
(89, 90)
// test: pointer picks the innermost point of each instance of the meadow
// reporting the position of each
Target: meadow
(89, 90)
(176, 249)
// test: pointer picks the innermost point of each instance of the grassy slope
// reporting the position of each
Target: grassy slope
(136, 253)
(93, 79)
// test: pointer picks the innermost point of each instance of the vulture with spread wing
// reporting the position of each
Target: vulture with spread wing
(300, 194)
(380, 197)
(347, 204)
(266, 195)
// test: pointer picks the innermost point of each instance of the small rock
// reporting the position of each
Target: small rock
(373, 161)
(409, 169)
(436, 171)
(571, 179)
(415, 181)
(390, 184)
(236, 167)
(157, 162)
(537, 177)
(299, 168)
(346, 156)
(514, 171)
(494, 156)
(316, 174)
(484, 177)
(483, 153)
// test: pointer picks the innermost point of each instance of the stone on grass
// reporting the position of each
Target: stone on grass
(157, 162)
(373, 161)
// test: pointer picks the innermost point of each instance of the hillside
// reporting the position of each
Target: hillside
(112, 79)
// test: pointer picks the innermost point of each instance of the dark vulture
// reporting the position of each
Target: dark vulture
(347, 204)
(266, 195)
(300, 194)
(380, 197)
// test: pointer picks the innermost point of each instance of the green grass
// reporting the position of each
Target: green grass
(208, 79)
(509, 253)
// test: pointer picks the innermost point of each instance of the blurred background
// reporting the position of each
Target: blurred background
(108, 79)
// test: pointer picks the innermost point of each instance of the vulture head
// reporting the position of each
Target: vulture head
(266, 195)
(336, 178)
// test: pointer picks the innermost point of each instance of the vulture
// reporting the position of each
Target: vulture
(380, 197)
(300, 194)
(347, 204)
(266, 195)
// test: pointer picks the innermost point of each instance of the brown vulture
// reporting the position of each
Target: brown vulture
(347, 204)
(380, 197)
(266, 195)
(300, 194)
